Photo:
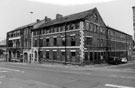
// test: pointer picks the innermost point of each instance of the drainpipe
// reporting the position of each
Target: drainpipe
(65, 45)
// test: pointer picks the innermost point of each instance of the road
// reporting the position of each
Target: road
(51, 76)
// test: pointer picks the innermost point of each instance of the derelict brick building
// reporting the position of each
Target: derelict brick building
(78, 38)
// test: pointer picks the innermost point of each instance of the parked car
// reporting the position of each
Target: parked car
(16, 60)
(114, 60)
(124, 60)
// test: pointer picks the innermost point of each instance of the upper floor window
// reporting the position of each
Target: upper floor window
(77, 25)
(91, 27)
(88, 41)
(63, 28)
(47, 30)
(47, 42)
(55, 41)
(55, 29)
(73, 41)
(68, 27)
(41, 42)
(35, 43)
(87, 26)
(63, 41)
(72, 26)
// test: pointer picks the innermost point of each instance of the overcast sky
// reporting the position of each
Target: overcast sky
(15, 13)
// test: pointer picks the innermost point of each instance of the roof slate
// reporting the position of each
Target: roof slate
(68, 18)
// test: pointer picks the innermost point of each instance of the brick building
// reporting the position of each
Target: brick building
(80, 38)
(19, 43)
(119, 44)
(77, 38)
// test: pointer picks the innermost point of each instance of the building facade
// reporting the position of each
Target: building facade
(14, 45)
(80, 38)
(119, 43)
(76, 39)
(19, 43)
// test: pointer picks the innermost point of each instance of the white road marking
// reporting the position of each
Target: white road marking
(117, 86)
(123, 76)
(12, 69)
(3, 71)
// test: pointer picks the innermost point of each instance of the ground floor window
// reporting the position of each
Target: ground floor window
(63, 56)
(73, 58)
(47, 54)
(54, 55)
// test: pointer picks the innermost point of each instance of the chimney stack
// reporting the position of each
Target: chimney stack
(38, 20)
(47, 19)
(59, 16)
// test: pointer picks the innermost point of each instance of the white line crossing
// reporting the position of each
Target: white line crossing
(12, 69)
(117, 86)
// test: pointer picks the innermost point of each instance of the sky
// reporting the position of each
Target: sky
(15, 13)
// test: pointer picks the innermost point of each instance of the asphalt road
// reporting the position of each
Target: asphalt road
(43, 76)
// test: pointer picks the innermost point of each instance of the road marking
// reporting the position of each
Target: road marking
(123, 76)
(3, 71)
(12, 69)
(118, 86)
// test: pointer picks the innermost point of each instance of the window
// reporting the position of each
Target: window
(88, 41)
(63, 28)
(98, 30)
(42, 32)
(101, 42)
(54, 55)
(55, 41)
(72, 40)
(87, 26)
(72, 26)
(41, 54)
(47, 30)
(72, 54)
(47, 54)
(63, 56)
(73, 58)
(10, 43)
(35, 43)
(59, 29)
(52, 29)
(68, 27)
(105, 30)
(63, 42)
(40, 42)
(95, 28)
(47, 42)
(63, 53)
(101, 30)
(55, 29)
(77, 25)
(91, 27)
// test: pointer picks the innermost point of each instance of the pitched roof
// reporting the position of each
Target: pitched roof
(118, 30)
(68, 18)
